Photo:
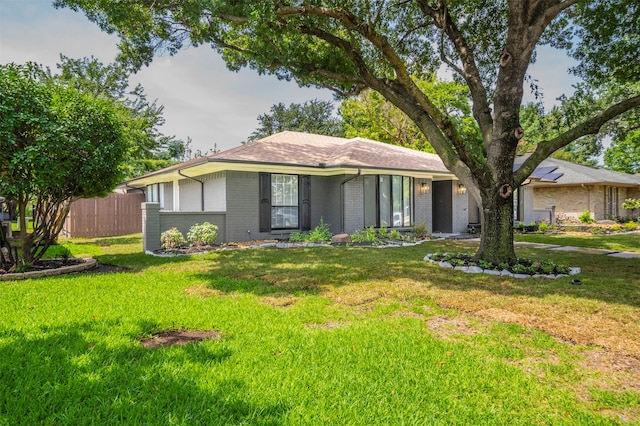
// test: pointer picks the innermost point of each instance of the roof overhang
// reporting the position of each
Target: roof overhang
(214, 166)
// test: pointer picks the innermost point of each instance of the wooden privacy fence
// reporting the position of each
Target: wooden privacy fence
(116, 214)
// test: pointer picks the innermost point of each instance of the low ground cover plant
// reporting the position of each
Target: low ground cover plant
(523, 266)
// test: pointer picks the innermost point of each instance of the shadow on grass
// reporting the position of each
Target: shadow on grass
(79, 374)
(310, 271)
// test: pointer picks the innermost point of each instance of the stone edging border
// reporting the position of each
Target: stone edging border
(503, 273)
(293, 245)
(89, 263)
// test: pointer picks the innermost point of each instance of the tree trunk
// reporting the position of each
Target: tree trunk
(497, 227)
(25, 240)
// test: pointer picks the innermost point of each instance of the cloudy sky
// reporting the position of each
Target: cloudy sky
(202, 99)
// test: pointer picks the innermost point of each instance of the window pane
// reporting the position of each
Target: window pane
(406, 195)
(370, 201)
(396, 189)
(284, 217)
(385, 201)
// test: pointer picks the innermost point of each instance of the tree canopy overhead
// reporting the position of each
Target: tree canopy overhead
(313, 116)
(348, 46)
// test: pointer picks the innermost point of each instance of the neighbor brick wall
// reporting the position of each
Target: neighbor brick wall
(573, 200)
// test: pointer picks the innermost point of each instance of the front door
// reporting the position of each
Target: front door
(442, 206)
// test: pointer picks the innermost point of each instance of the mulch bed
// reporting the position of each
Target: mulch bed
(178, 337)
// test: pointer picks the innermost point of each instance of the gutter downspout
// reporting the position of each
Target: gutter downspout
(342, 198)
(201, 188)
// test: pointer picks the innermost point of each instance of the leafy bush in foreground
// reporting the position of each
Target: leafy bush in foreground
(204, 234)
(172, 238)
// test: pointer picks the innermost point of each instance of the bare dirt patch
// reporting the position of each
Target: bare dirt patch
(280, 301)
(178, 337)
(203, 291)
(447, 327)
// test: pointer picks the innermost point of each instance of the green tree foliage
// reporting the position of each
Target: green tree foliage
(539, 126)
(624, 154)
(313, 116)
(56, 145)
(149, 149)
(371, 116)
(348, 46)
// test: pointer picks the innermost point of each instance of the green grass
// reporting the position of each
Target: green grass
(314, 336)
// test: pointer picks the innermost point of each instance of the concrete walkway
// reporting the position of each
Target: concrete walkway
(612, 253)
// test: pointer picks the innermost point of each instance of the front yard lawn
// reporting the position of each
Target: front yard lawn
(321, 336)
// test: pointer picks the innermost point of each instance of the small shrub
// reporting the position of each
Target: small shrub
(367, 235)
(172, 238)
(24, 267)
(630, 226)
(543, 227)
(297, 237)
(395, 235)
(585, 217)
(420, 231)
(383, 232)
(320, 233)
(58, 251)
(205, 234)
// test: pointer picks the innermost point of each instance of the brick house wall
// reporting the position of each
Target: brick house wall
(571, 201)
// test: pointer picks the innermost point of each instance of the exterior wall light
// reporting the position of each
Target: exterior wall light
(461, 189)
(424, 187)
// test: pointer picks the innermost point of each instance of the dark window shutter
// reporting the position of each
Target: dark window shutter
(305, 203)
(265, 202)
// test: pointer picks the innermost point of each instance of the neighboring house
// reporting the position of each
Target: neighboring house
(561, 189)
(288, 181)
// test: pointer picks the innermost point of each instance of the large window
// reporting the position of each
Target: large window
(388, 201)
(284, 202)
(611, 201)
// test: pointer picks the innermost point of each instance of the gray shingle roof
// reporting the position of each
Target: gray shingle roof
(305, 149)
(576, 174)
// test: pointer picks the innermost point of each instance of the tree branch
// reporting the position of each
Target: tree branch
(469, 71)
(588, 127)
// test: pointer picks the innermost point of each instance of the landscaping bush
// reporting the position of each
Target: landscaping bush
(630, 226)
(320, 234)
(172, 238)
(204, 234)
(395, 235)
(420, 231)
(367, 235)
(543, 227)
(297, 237)
(585, 217)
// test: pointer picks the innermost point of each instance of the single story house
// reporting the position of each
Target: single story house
(563, 190)
(287, 182)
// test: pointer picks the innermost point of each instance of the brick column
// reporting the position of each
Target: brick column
(150, 226)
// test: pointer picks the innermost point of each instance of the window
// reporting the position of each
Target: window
(284, 202)
(611, 201)
(388, 201)
(155, 194)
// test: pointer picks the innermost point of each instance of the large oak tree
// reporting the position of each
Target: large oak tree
(349, 45)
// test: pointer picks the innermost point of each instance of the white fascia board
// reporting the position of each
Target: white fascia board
(218, 166)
